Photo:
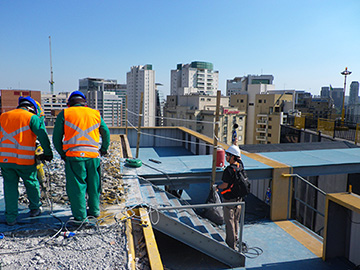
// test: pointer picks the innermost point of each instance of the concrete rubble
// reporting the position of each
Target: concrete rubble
(99, 245)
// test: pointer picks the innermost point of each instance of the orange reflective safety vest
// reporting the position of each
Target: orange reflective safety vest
(17, 141)
(81, 132)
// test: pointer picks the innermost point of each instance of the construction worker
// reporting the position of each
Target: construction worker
(19, 130)
(76, 138)
(231, 213)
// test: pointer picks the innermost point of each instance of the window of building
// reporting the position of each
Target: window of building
(202, 99)
(264, 100)
(251, 104)
(240, 128)
(241, 101)
(269, 134)
(240, 138)
(270, 118)
(269, 127)
(260, 101)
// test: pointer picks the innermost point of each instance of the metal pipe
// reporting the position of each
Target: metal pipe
(139, 124)
(312, 208)
(242, 221)
(205, 205)
(304, 180)
(215, 143)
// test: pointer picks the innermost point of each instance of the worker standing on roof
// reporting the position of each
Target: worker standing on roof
(231, 194)
(76, 138)
(19, 130)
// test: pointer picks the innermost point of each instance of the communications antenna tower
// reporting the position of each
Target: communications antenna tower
(51, 71)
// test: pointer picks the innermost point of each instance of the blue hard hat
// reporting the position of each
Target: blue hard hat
(77, 94)
(28, 101)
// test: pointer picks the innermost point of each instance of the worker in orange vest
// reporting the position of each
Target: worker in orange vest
(76, 138)
(19, 130)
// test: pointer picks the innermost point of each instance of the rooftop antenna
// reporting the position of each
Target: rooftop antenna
(51, 71)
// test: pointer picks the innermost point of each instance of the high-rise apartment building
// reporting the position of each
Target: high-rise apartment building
(141, 79)
(197, 112)
(234, 86)
(325, 92)
(354, 93)
(194, 78)
(336, 94)
(52, 105)
(240, 85)
(107, 96)
(353, 108)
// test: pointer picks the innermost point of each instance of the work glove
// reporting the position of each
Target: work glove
(103, 152)
(44, 157)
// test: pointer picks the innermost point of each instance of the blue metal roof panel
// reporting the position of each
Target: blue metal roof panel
(316, 157)
(176, 164)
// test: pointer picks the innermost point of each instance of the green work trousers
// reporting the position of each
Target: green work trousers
(11, 190)
(83, 176)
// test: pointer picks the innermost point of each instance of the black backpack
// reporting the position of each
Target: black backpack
(241, 186)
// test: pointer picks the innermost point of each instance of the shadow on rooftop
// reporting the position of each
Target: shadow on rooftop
(315, 264)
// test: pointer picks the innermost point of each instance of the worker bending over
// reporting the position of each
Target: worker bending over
(76, 138)
(19, 130)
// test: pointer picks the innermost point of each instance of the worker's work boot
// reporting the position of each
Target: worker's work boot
(35, 212)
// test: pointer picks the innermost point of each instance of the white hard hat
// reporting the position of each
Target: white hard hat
(234, 150)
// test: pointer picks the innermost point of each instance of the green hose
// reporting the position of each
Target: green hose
(133, 162)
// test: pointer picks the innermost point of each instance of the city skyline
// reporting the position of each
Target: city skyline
(303, 45)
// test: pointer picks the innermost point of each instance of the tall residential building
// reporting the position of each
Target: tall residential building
(107, 97)
(264, 108)
(197, 112)
(354, 93)
(160, 104)
(234, 86)
(240, 85)
(194, 78)
(336, 94)
(325, 92)
(141, 79)
(52, 105)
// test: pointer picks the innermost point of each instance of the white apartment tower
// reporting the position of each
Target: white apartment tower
(141, 79)
(194, 78)
(105, 96)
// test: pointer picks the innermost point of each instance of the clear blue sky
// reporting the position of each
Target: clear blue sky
(304, 44)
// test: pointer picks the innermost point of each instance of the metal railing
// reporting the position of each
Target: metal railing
(210, 205)
(293, 184)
